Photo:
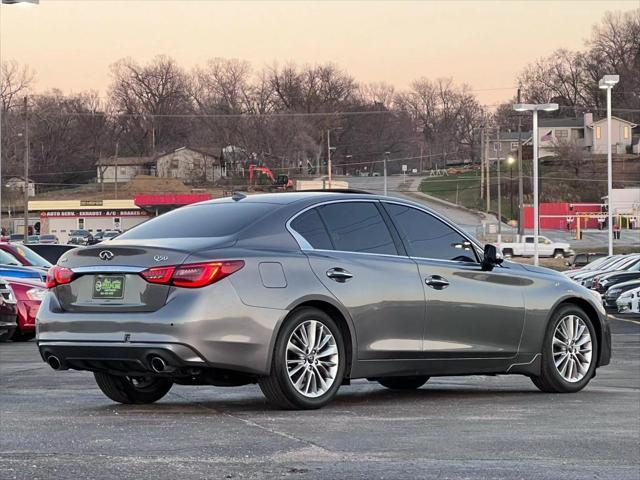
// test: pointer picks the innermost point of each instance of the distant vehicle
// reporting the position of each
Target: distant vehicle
(49, 239)
(22, 255)
(80, 237)
(629, 302)
(625, 262)
(28, 295)
(611, 296)
(607, 280)
(16, 237)
(262, 178)
(33, 239)
(8, 311)
(51, 252)
(525, 248)
(105, 235)
(580, 260)
(374, 174)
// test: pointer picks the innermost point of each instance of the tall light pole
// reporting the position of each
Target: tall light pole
(498, 152)
(386, 157)
(607, 83)
(535, 108)
(510, 162)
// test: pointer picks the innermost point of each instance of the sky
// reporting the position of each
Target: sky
(71, 43)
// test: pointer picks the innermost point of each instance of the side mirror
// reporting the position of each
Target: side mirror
(491, 258)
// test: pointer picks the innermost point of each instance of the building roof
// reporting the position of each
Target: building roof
(570, 122)
(208, 151)
(124, 161)
(613, 117)
(55, 205)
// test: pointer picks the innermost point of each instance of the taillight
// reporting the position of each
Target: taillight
(158, 274)
(58, 275)
(192, 275)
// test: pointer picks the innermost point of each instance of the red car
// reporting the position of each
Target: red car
(17, 254)
(29, 294)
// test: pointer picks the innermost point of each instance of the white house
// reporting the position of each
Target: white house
(505, 144)
(17, 184)
(584, 132)
(122, 169)
(190, 165)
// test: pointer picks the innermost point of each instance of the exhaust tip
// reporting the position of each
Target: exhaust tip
(54, 362)
(158, 365)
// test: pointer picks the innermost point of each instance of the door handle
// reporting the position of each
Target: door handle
(437, 282)
(339, 274)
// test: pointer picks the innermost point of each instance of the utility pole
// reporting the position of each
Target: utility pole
(26, 170)
(488, 177)
(498, 151)
(482, 163)
(386, 156)
(116, 167)
(520, 181)
(420, 171)
(329, 156)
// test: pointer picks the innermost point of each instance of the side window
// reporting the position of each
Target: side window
(426, 236)
(310, 226)
(528, 240)
(358, 227)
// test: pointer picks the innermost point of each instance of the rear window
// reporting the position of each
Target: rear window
(200, 221)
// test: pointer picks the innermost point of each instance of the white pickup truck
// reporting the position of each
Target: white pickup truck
(525, 247)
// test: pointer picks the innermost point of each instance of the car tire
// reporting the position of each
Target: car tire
(293, 362)
(507, 252)
(558, 253)
(555, 359)
(403, 383)
(133, 390)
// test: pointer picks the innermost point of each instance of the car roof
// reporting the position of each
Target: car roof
(285, 198)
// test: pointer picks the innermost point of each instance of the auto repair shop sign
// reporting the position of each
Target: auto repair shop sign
(93, 213)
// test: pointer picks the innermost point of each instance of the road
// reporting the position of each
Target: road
(57, 425)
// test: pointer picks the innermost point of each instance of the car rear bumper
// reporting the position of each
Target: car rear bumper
(208, 326)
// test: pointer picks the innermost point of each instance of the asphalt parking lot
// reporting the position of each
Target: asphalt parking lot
(59, 425)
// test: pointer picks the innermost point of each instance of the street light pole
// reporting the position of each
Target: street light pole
(329, 156)
(498, 151)
(386, 156)
(607, 82)
(26, 171)
(546, 107)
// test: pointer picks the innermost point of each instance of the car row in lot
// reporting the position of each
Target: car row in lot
(22, 286)
(615, 278)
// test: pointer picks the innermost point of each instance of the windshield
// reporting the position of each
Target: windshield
(8, 259)
(33, 258)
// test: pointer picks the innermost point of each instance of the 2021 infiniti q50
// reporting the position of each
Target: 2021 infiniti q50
(302, 292)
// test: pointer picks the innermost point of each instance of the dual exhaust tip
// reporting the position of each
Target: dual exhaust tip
(157, 364)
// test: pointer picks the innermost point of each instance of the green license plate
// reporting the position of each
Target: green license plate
(108, 286)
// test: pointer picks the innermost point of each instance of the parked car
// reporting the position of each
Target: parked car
(23, 255)
(611, 296)
(8, 312)
(49, 239)
(51, 252)
(33, 239)
(80, 237)
(629, 302)
(621, 263)
(105, 235)
(16, 237)
(592, 267)
(16, 271)
(303, 292)
(526, 247)
(580, 260)
(28, 295)
(603, 282)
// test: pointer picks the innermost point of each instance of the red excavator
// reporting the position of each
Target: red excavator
(262, 178)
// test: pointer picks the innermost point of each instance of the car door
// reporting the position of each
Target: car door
(528, 247)
(470, 313)
(353, 253)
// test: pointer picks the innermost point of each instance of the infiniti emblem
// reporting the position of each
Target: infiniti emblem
(106, 255)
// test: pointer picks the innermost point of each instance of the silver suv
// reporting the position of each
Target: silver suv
(303, 292)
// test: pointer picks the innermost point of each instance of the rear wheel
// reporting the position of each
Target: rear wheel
(146, 389)
(308, 362)
(507, 252)
(569, 352)
(558, 253)
(403, 383)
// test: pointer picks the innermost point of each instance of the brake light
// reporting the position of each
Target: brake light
(158, 274)
(58, 275)
(192, 275)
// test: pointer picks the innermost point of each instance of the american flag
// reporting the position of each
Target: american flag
(547, 137)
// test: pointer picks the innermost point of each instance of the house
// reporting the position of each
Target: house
(17, 184)
(191, 165)
(122, 169)
(584, 132)
(506, 144)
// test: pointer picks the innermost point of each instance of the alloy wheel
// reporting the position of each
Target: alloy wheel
(312, 358)
(572, 348)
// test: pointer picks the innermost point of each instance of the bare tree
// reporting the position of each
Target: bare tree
(15, 81)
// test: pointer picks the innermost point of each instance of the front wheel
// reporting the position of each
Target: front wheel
(558, 253)
(403, 383)
(308, 362)
(147, 389)
(569, 352)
